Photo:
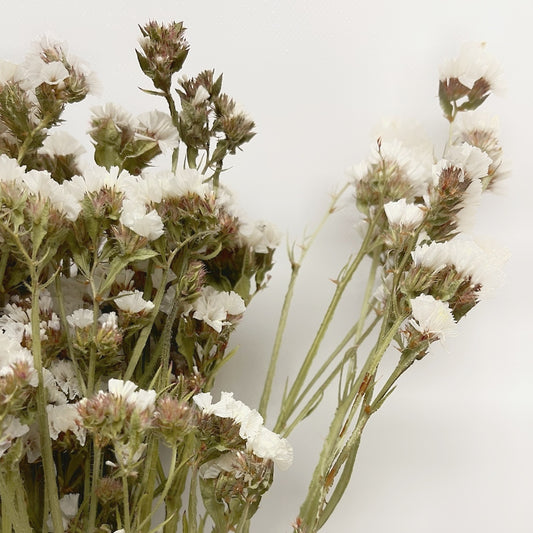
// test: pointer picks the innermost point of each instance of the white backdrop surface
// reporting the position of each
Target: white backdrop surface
(452, 448)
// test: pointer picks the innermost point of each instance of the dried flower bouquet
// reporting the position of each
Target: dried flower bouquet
(121, 285)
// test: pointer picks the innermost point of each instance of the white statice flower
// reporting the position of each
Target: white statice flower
(259, 440)
(269, 445)
(432, 317)
(133, 302)
(472, 64)
(482, 263)
(11, 428)
(471, 198)
(65, 376)
(141, 399)
(108, 321)
(201, 95)
(10, 170)
(69, 509)
(406, 216)
(81, 318)
(411, 135)
(38, 72)
(135, 217)
(213, 307)
(54, 394)
(472, 160)
(158, 126)
(189, 181)
(63, 418)
(40, 183)
(11, 352)
(9, 72)
(396, 155)
(260, 236)
(60, 143)
(117, 114)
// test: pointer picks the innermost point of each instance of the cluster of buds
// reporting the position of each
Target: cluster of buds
(164, 50)
(121, 417)
(33, 96)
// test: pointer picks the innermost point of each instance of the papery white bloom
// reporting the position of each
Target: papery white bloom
(108, 321)
(127, 390)
(411, 135)
(96, 178)
(81, 318)
(405, 216)
(8, 72)
(472, 160)
(54, 393)
(10, 170)
(38, 72)
(65, 377)
(432, 317)
(135, 217)
(39, 182)
(259, 440)
(120, 117)
(69, 509)
(202, 94)
(269, 445)
(60, 143)
(260, 236)
(483, 264)
(63, 418)
(121, 388)
(213, 307)
(10, 429)
(396, 154)
(11, 352)
(133, 302)
(158, 126)
(189, 181)
(472, 64)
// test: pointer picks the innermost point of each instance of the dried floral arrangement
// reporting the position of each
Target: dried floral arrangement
(122, 283)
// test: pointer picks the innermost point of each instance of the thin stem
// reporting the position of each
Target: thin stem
(126, 504)
(97, 455)
(42, 417)
(295, 266)
(318, 393)
(365, 306)
(44, 123)
(341, 285)
(311, 508)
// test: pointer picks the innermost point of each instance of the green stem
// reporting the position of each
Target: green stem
(365, 306)
(193, 499)
(97, 457)
(42, 417)
(305, 411)
(295, 266)
(311, 509)
(341, 285)
(126, 504)
(44, 123)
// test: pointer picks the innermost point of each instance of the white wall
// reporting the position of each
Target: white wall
(451, 451)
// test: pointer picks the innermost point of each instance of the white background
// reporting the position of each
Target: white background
(452, 448)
